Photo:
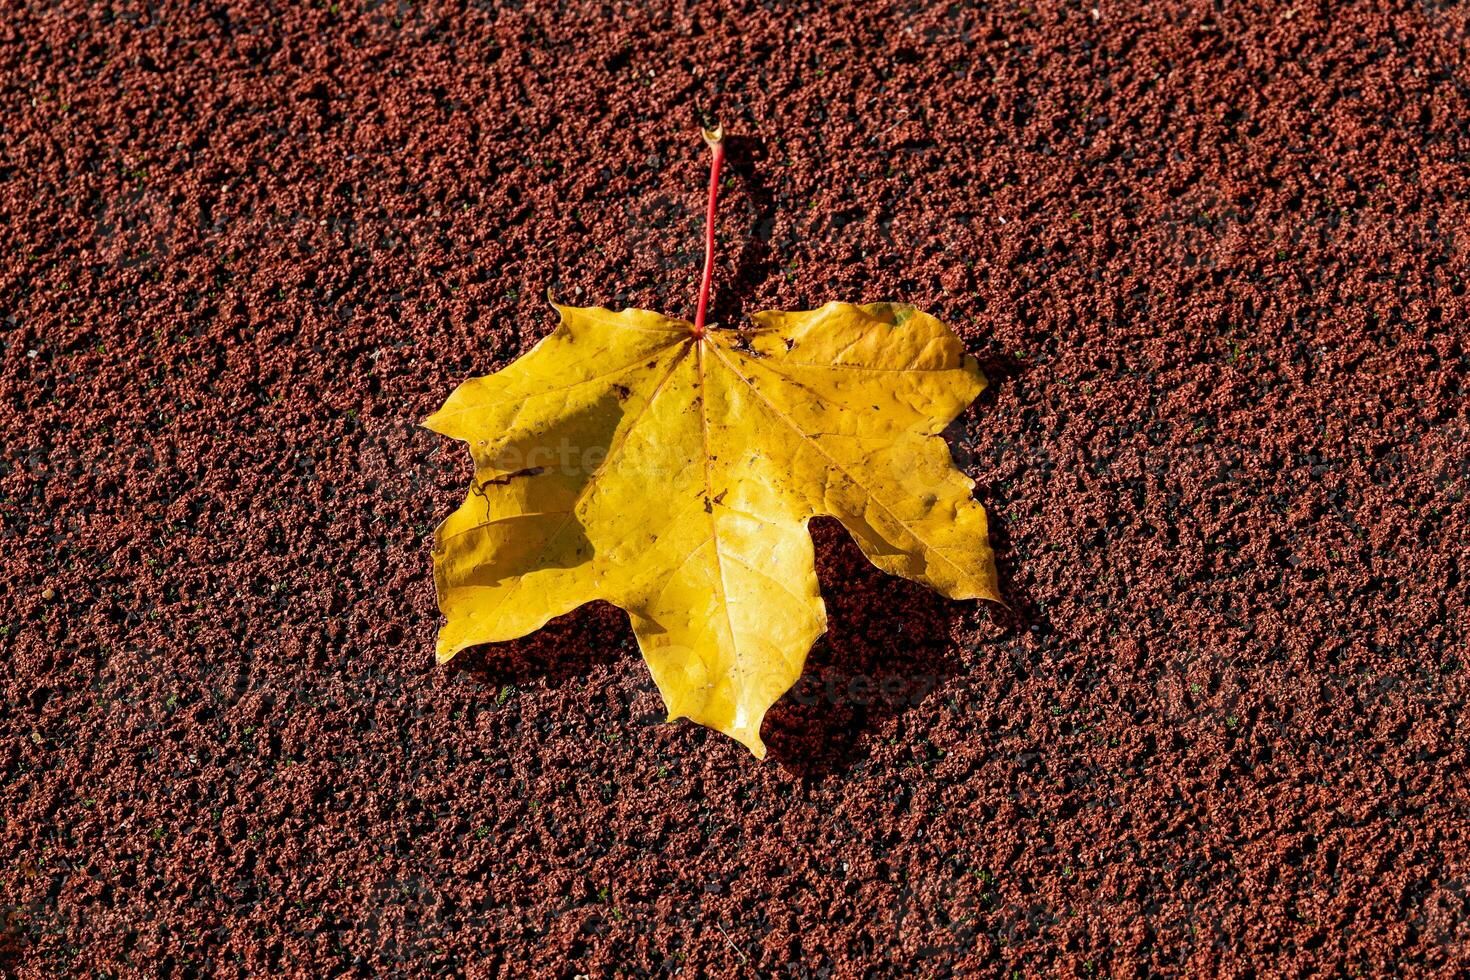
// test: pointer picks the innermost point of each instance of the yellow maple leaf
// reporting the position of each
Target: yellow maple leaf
(672, 471)
(625, 459)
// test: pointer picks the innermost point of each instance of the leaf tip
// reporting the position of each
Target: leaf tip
(747, 731)
(714, 137)
(985, 586)
(751, 739)
(748, 736)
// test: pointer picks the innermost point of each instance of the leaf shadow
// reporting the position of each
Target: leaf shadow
(559, 653)
(756, 261)
(974, 453)
(888, 650)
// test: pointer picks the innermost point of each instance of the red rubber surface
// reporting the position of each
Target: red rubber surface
(1214, 265)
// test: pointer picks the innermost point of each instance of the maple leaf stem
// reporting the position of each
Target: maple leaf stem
(716, 140)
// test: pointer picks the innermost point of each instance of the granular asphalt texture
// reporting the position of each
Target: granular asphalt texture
(1213, 260)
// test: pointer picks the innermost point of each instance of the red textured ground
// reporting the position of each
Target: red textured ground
(1213, 262)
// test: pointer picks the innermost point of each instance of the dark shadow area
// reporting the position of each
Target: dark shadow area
(561, 652)
(886, 651)
(746, 162)
(977, 454)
